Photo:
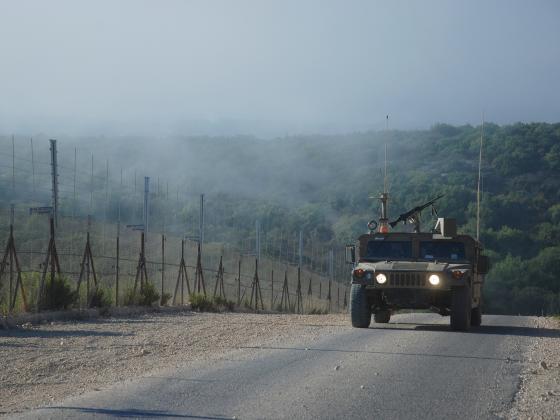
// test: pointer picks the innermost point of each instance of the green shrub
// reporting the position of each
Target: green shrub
(202, 303)
(222, 304)
(144, 296)
(129, 298)
(100, 298)
(59, 294)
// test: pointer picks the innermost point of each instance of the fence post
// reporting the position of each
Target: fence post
(239, 282)
(11, 250)
(117, 273)
(162, 267)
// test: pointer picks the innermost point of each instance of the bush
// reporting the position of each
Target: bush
(222, 304)
(146, 296)
(129, 298)
(202, 303)
(101, 298)
(59, 294)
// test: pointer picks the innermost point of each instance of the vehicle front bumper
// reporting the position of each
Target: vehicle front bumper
(409, 280)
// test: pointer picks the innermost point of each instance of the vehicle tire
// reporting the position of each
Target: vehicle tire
(460, 308)
(476, 316)
(360, 310)
(382, 317)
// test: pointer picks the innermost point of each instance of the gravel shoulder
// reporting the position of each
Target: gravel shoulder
(539, 390)
(40, 365)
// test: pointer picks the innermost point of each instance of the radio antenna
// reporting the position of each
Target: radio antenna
(384, 197)
(385, 175)
(479, 179)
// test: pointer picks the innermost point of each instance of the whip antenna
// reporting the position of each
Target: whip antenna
(385, 175)
(384, 197)
(479, 178)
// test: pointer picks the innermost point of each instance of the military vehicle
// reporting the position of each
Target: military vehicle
(438, 270)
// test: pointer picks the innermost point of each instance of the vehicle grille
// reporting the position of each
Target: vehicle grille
(407, 280)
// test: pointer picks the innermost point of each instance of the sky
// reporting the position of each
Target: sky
(272, 68)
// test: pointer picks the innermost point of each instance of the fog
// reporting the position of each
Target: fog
(273, 68)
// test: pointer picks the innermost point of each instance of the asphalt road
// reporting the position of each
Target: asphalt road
(414, 367)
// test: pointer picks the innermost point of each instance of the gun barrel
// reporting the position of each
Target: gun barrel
(405, 216)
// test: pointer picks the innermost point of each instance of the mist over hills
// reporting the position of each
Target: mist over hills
(322, 184)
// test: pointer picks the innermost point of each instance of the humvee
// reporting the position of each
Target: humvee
(439, 271)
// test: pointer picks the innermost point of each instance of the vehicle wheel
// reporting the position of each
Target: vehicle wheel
(382, 317)
(461, 308)
(360, 310)
(476, 316)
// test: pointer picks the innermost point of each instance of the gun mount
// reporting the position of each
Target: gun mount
(413, 216)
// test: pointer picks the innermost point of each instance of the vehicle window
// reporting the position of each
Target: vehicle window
(434, 250)
(389, 250)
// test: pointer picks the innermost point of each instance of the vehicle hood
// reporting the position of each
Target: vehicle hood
(411, 266)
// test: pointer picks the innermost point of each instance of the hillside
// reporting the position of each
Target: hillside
(322, 185)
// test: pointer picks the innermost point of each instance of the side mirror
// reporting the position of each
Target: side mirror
(483, 264)
(350, 254)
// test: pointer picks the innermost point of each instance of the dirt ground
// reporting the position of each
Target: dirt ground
(539, 393)
(46, 363)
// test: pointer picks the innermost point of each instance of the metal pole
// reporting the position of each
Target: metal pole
(258, 239)
(91, 188)
(53, 262)
(479, 180)
(87, 261)
(74, 195)
(11, 256)
(300, 248)
(13, 166)
(272, 290)
(338, 297)
(106, 205)
(201, 223)
(180, 268)
(32, 165)
(146, 205)
(162, 265)
(239, 282)
(117, 270)
(331, 264)
(54, 175)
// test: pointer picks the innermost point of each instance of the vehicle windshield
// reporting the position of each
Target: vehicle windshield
(434, 250)
(388, 250)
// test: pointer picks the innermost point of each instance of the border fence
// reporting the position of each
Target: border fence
(262, 270)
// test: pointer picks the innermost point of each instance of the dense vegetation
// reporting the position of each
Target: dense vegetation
(323, 184)
(329, 180)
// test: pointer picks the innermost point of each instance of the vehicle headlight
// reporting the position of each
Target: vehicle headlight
(381, 278)
(434, 279)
